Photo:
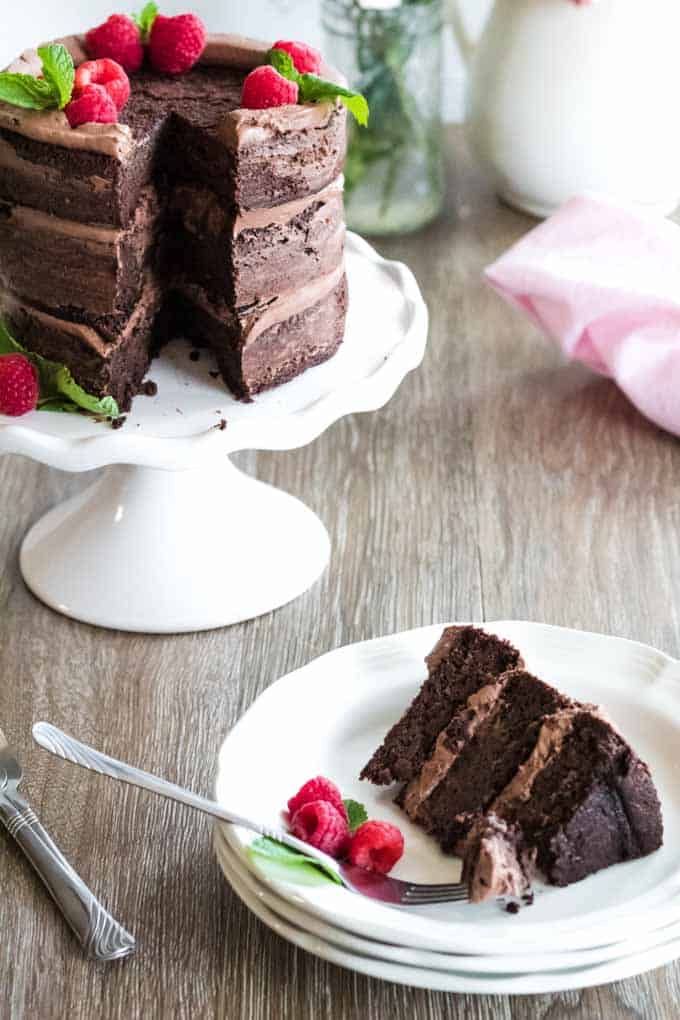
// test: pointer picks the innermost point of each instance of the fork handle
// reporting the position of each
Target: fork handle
(101, 937)
(63, 746)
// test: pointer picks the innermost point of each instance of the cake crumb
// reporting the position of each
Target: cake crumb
(221, 425)
(149, 388)
(117, 423)
(194, 355)
(512, 907)
(528, 899)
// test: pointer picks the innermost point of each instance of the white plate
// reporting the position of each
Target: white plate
(328, 717)
(452, 981)
(529, 963)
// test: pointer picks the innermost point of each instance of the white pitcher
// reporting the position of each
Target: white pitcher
(565, 98)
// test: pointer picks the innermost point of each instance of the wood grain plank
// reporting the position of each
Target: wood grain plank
(498, 482)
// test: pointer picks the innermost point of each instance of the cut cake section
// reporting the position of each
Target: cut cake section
(582, 801)
(464, 660)
(477, 755)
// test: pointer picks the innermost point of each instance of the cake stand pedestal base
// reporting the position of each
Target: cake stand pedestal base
(158, 551)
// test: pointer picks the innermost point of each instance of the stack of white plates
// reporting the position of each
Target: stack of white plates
(327, 718)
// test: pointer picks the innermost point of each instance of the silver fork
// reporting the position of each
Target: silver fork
(357, 880)
(98, 933)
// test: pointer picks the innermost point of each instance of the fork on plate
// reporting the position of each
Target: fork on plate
(392, 891)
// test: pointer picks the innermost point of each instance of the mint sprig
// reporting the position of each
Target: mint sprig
(51, 92)
(356, 814)
(282, 863)
(26, 91)
(145, 20)
(58, 71)
(313, 89)
(58, 389)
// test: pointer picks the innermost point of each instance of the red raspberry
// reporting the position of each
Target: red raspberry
(321, 825)
(317, 789)
(19, 387)
(107, 73)
(119, 40)
(376, 846)
(93, 105)
(175, 44)
(265, 87)
(307, 60)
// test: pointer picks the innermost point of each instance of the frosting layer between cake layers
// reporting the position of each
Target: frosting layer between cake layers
(190, 214)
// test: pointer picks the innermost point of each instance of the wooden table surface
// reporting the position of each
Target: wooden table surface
(497, 483)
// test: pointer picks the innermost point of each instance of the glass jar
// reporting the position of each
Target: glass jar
(391, 50)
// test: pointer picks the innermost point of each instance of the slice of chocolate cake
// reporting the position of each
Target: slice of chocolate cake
(464, 660)
(190, 215)
(581, 801)
(513, 776)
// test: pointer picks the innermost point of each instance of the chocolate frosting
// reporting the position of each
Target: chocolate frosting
(239, 128)
(86, 334)
(480, 706)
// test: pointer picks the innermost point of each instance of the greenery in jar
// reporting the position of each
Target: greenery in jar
(387, 36)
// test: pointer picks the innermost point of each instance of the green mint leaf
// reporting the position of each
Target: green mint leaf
(356, 814)
(58, 71)
(145, 20)
(58, 389)
(283, 63)
(28, 92)
(318, 90)
(282, 863)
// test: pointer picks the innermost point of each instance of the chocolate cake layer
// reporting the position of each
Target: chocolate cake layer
(464, 660)
(182, 128)
(102, 368)
(583, 800)
(252, 256)
(87, 273)
(478, 754)
(255, 353)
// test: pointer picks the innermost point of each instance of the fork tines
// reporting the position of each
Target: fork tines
(429, 894)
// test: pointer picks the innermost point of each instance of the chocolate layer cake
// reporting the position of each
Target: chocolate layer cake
(189, 216)
(513, 776)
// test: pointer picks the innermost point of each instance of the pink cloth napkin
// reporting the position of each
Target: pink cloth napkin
(604, 281)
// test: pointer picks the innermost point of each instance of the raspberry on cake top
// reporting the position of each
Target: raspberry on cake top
(158, 181)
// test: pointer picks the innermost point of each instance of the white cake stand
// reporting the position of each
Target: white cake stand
(173, 537)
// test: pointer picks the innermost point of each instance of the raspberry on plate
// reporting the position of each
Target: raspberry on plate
(265, 87)
(107, 73)
(307, 60)
(118, 39)
(19, 387)
(175, 44)
(93, 105)
(376, 846)
(322, 826)
(318, 788)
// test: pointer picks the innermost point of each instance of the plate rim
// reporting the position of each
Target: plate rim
(456, 981)
(502, 964)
